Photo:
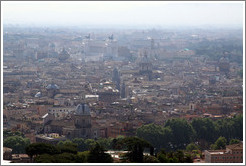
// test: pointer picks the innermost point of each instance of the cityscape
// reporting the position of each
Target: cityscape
(122, 92)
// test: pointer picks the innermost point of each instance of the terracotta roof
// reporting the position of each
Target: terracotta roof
(235, 146)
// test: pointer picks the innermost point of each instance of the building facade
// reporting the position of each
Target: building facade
(232, 154)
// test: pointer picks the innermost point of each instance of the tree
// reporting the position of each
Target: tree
(58, 158)
(167, 157)
(238, 127)
(116, 143)
(8, 133)
(67, 147)
(179, 154)
(219, 144)
(66, 158)
(104, 142)
(44, 158)
(83, 156)
(234, 141)
(230, 128)
(90, 143)
(225, 128)
(135, 147)
(158, 136)
(150, 159)
(182, 131)
(41, 148)
(174, 157)
(162, 157)
(188, 159)
(204, 129)
(82, 146)
(191, 147)
(97, 155)
(16, 143)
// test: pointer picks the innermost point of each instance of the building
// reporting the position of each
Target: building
(51, 138)
(108, 95)
(97, 50)
(74, 123)
(7, 153)
(232, 154)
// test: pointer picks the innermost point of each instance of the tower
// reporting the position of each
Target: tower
(123, 91)
(116, 78)
(145, 66)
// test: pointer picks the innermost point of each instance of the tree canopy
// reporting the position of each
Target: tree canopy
(182, 131)
(16, 143)
(97, 155)
(135, 147)
(219, 144)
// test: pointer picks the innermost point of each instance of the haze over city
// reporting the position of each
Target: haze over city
(125, 13)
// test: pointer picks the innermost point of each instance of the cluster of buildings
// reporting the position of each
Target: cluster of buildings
(60, 86)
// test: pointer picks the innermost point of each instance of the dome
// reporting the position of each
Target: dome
(39, 94)
(82, 109)
(52, 86)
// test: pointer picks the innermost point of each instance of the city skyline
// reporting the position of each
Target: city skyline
(122, 82)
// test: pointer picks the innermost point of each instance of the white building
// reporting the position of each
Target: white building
(97, 50)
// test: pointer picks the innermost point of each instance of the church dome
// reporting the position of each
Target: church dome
(82, 109)
(53, 87)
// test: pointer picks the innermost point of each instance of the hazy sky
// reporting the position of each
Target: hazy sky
(123, 12)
